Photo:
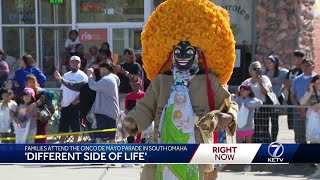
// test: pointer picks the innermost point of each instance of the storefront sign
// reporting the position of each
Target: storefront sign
(241, 18)
(15, 17)
(93, 35)
(23, 11)
(91, 7)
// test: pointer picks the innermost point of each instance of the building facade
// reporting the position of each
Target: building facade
(41, 27)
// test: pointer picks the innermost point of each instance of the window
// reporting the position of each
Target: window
(17, 42)
(110, 10)
(18, 12)
(126, 38)
(52, 41)
(54, 13)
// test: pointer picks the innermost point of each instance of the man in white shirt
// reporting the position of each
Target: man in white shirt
(70, 100)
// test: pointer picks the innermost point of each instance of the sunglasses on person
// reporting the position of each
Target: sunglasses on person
(256, 69)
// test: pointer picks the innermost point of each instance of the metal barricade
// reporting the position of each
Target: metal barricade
(281, 123)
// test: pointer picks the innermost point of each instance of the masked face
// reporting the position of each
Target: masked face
(184, 55)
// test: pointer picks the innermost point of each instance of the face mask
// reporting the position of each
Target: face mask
(184, 55)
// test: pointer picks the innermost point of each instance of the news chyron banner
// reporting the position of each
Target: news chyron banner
(160, 153)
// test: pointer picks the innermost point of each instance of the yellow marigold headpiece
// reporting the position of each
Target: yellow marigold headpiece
(200, 22)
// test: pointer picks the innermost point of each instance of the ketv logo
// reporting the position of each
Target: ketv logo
(275, 150)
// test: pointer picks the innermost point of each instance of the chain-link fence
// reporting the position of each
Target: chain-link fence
(282, 123)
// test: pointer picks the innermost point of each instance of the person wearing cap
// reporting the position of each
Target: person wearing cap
(260, 85)
(70, 109)
(86, 97)
(299, 88)
(277, 77)
(106, 104)
(126, 70)
(292, 74)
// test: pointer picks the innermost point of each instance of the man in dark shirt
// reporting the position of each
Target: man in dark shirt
(126, 70)
(293, 73)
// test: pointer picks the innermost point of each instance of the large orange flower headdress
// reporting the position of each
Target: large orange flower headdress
(200, 22)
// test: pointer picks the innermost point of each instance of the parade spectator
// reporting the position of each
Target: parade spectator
(80, 53)
(102, 57)
(292, 74)
(260, 86)
(27, 66)
(145, 80)
(299, 88)
(247, 105)
(42, 126)
(92, 56)
(311, 98)
(6, 118)
(70, 100)
(86, 97)
(131, 99)
(277, 77)
(106, 47)
(26, 117)
(106, 105)
(13, 64)
(126, 70)
(4, 69)
(71, 42)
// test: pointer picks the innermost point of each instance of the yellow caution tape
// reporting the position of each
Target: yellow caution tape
(61, 134)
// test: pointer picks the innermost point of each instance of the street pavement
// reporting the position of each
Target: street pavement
(101, 172)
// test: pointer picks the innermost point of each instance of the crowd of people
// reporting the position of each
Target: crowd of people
(273, 85)
(94, 88)
(96, 94)
(274, 81)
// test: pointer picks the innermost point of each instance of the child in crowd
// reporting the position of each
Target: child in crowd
(7, 105)
(71, 42)
(247, 105)
(26, 118)
(131, 99)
